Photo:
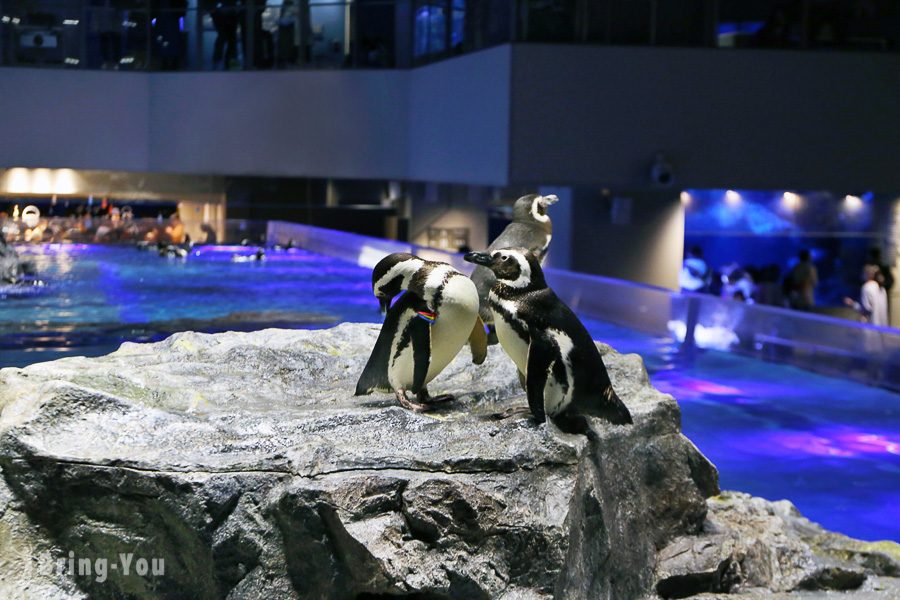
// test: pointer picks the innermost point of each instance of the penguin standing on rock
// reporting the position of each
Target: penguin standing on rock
(559, 365)
(424, 329)
(530, 229)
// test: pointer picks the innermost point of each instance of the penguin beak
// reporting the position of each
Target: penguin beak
(384, 304)
(551, 199)
(479, 258)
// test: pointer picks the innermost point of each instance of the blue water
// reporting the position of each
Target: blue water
(829, 445)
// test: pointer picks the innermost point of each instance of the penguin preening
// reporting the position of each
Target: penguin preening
(435, 313)
(559, 365)
(530, 229)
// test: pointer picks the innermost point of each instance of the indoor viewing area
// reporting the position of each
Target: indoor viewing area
(449, 299)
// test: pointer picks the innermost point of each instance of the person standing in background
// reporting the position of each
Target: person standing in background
(873, 298)
(887, 275)
(695, 274)
(225, 18)
(801, 283)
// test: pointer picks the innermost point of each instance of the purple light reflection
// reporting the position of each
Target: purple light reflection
(823, 442)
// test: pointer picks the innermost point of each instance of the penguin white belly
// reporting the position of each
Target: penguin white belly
(456, 318)
(400, 366)
(512, 344)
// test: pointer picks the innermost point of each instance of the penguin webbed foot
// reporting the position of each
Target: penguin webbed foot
(424, 402)
(412, 405)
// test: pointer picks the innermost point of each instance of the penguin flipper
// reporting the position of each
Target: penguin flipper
(374, 377)
(484, 280)
(420, 334)
(478, 342)
(537, 370)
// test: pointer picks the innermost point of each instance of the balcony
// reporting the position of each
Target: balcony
(201, 35)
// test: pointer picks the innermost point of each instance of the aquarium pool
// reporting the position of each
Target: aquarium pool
(829, 445)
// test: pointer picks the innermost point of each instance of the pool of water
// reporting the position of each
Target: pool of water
(829, 445)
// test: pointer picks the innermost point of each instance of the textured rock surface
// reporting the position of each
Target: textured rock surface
(752, 544)
(244, 461)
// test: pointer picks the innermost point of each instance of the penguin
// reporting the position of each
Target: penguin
(434, 314)
(257, 257)
(559, 365)
(172, 251)
(531, 229)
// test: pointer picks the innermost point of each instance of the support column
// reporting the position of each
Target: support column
(634, 235)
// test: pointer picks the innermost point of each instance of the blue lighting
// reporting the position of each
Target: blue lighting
(831, 446)
(740, 27)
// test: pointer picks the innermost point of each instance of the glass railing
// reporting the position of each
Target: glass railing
(207, 35)
(823, 344)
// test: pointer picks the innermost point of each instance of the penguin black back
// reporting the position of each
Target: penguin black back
(564, 371)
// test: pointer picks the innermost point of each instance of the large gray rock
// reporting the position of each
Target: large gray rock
(244, 461)
(753, 546)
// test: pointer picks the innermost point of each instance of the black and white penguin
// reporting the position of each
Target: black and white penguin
(435, 314)
(559, 365)
(172, 251)
(530, 229)
(257, 257)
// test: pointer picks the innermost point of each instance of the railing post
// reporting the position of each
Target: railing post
(197, 46)
(86, 14)
(249, 26)
(711, 24)
(353, 42)
(148, 28)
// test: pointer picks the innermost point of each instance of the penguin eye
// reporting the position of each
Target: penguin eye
(505, 258)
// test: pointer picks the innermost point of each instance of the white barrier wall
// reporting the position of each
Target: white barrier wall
(523, 114)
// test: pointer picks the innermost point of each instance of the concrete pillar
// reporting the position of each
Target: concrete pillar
(633, 235)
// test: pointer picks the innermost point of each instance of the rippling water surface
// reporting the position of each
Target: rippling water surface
(830, 446)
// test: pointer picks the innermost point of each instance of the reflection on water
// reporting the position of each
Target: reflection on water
(98, 297)
(828, 445)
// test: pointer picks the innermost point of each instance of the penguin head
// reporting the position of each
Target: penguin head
(515, 267)
(390, 275)
(533, 208)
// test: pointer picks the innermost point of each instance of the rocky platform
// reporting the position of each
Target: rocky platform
(245, 463)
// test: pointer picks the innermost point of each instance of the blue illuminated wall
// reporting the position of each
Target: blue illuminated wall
(761, 228)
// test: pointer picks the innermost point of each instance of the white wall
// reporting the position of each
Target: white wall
(290, 123)
(511, 115)
(74, 119)
(446, 122)
(459, 119)
(758, 119)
